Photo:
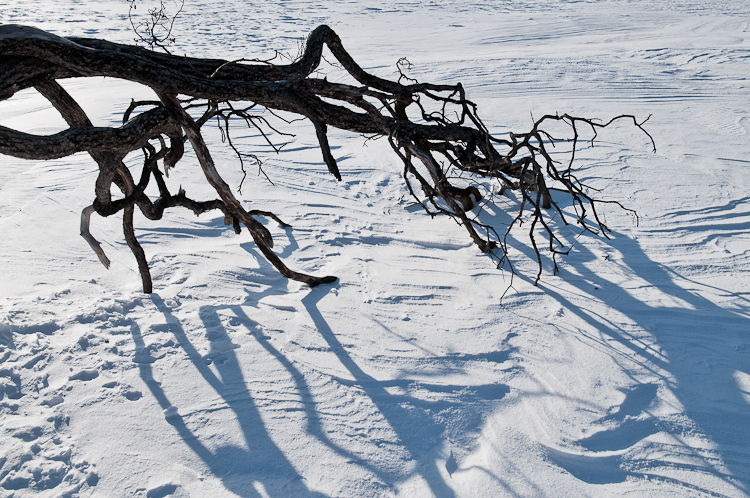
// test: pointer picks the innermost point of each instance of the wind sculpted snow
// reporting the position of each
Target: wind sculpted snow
(627, 373)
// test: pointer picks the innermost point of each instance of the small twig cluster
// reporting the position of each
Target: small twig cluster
(156, 31)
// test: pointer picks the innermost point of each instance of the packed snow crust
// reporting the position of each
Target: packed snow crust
(626, 374)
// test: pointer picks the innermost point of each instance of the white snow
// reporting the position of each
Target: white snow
(627, 374)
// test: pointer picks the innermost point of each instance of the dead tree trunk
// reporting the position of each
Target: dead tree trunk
(445, 136)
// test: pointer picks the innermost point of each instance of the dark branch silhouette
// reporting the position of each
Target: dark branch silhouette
(434, 130)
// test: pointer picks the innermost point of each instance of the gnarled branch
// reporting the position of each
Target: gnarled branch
(446, 149)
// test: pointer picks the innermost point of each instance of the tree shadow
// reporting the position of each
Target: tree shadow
(695, 336)
(237, 468)
(419, 421)
(416, 422)
(698, 368)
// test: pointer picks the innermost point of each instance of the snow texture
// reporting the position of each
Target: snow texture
(626, 374)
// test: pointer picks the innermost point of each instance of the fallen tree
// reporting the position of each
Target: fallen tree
(433, 129)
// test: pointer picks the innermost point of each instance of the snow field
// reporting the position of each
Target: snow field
(627, 374)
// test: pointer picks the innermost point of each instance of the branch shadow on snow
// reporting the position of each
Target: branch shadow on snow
(421, 425)
(238, 468)
(696, 338)
(700, 372)
(418, 424)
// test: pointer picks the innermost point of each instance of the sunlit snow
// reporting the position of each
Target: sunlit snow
(627, 373)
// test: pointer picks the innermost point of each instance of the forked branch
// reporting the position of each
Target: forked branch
(445, 148)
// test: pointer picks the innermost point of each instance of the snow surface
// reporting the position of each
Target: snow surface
(627, 374)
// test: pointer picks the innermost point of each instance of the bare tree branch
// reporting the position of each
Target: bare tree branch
(449, 153)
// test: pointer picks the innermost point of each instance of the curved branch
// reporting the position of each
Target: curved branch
(450, 142)
(261, 235)
(131, 136)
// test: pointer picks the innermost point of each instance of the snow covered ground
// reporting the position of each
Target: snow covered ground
(628, 373)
